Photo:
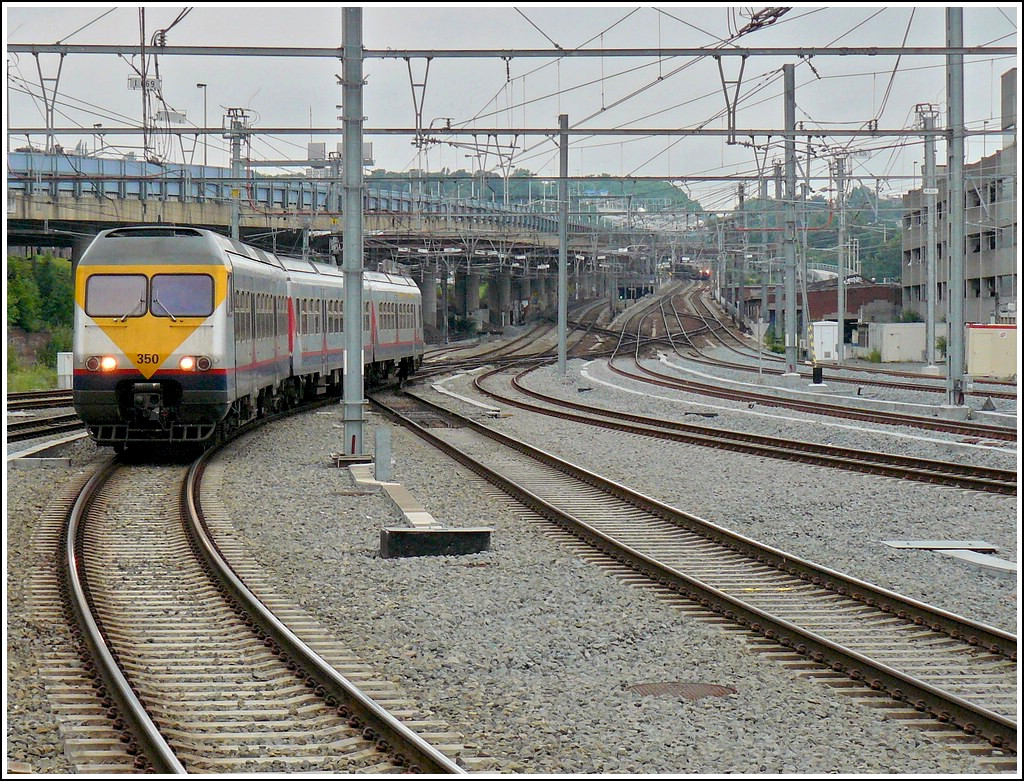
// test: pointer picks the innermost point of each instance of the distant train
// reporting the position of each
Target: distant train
(182, 334)
(686, 271)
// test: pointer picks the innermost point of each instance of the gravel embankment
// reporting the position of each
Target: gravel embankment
(527, 650)
(830, 516)
(844, 382)
(592, 383)
(33, 732)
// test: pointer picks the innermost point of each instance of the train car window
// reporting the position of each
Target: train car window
(181, 295)
(115, 295)
(366, 316)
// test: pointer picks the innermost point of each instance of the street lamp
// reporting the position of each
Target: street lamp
(205, 148)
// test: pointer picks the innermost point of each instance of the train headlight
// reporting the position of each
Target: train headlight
(92, 363)
(191, 363)
(108, 363)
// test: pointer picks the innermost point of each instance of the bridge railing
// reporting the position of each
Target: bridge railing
(80, 176)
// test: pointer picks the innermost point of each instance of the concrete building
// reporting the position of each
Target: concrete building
(990, 274)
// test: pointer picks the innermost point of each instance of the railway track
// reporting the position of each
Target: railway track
(38, 399)
(902, 654)
(18, 431)
(202, 675)
(978, 478)
(968, 430)
(713, 326)
(516, 351)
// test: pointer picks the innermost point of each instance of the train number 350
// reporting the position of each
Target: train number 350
(142, 358)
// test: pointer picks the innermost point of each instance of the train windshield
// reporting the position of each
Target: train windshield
(181, 295)
(115, 295)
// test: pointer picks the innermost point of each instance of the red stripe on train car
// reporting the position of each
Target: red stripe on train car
(291, 327)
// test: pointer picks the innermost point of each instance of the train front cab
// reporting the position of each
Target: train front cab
(149, 351)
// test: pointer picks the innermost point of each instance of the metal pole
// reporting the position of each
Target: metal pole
(236, 174)
(955, 178)
(790, 218)
(722, 271)
(742, 265)
(930, 193)
(205, 137)
(563, 236)
(352, 126)
(841, 260)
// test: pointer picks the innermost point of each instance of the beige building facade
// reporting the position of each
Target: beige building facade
(991, 266)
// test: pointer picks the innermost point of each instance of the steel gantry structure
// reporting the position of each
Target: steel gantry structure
(352, 56)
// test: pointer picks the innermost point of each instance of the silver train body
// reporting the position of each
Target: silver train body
(181, 333)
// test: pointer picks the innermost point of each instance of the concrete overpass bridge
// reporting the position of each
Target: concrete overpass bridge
(506, 254)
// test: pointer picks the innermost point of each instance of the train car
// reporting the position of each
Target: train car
(182, 334)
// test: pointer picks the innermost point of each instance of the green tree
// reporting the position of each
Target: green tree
(23, 302)
(60, 342)
(56, 292)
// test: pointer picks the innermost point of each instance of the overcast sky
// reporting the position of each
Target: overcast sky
(832, 92)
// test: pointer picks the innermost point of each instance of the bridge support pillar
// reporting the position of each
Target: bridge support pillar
(460, 294)
(542, 294)
(428, 289)
(472, 293)
(493, 302)
(524, 295)
(504, 298)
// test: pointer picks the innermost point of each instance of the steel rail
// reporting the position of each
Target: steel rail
(385, 728)
(973, 719)
(41, 400)
(820, 408)
(18, 431)
(988, 479)
(720, 327)
(154, 747)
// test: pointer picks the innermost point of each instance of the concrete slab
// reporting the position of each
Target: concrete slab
(489, 408)
(822, 387)
(400, 542)
(991, 563)
(35, 450)
(974, 545)
(27, 462)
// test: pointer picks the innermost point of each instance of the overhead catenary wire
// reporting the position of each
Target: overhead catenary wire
(747, 102)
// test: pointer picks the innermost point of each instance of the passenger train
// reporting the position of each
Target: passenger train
(182, 334)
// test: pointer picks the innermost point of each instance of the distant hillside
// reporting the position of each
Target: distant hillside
(877, 223)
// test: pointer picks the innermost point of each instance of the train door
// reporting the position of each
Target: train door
(244, 357)
(324, 372)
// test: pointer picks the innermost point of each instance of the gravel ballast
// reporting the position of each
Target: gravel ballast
(833, 517)
(526, 650)
(34, 742)
(529, 651)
